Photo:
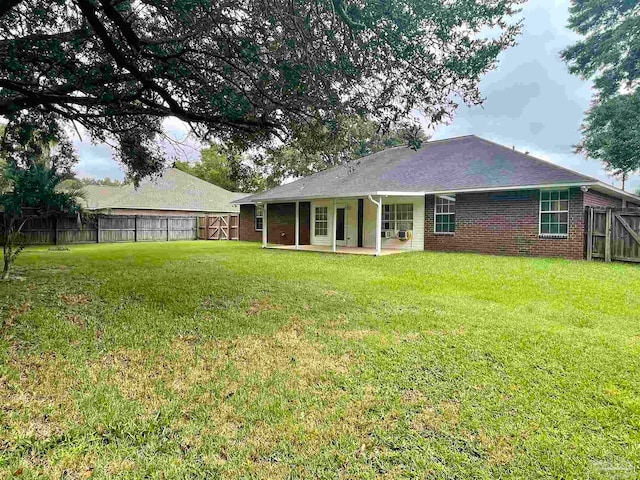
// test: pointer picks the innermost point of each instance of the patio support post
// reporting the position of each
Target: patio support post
(264, 225)
(297, 224)
(379, 228)
(378, 224)
(335, 226)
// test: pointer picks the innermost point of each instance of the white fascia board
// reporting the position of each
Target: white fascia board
(489, 189)
(305, 198)
(616, 192)
(444, 192)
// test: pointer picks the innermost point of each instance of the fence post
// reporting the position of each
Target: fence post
(98, 227)
(55, 230)
(607, 238)
(167, 229)
(135, 228)
(590, 217)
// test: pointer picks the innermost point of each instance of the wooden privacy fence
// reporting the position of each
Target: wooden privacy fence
(613, 234)
(109, 229)
(219, 227)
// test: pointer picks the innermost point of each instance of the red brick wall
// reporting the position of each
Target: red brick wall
(281, 221)
(247, 231)
(506, 223)
(597, 199)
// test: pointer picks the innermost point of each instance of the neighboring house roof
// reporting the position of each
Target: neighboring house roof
(174, 190)
(453, 165)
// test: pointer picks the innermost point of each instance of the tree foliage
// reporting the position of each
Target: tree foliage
(322, 146)
(225, 168)
(32, 194)
(612, 134)
(610, 50)
(107, 181)
(32, 138)
(247, 70)
(4, 181)
(36, 161)
(610, 54)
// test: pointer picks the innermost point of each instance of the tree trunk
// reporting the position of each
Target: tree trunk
(7, 260)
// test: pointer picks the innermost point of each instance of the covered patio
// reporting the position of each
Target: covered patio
(349, 225)
(332, 231)
(339, 250)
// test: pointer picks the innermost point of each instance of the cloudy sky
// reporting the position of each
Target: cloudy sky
(532, 102)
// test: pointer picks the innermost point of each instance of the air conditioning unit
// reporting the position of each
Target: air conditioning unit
(385, 234)
(404, 234)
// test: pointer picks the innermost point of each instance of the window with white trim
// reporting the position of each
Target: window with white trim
(321, 222)
(445, 214)
(554, 212)
(396, 217)
(259, 217)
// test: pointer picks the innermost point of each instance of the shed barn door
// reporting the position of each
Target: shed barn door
(216, 227)
(219, 227)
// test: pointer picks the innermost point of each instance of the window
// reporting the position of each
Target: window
(404, 216)
(320, 227)
(259, 217)
(388, 217)
(554, 212)
(445, 214)
(397, 217)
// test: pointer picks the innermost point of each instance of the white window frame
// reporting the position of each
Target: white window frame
(550, 211)
(390, 217)
(325, 221)
(259, 215)
(451, 199)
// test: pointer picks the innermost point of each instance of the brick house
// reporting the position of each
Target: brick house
(464, 194)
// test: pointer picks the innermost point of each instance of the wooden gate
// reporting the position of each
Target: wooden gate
(613, 234)
(218, 227)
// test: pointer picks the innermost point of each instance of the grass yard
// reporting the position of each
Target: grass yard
(213, 359)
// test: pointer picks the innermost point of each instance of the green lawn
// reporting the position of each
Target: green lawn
(205, 359)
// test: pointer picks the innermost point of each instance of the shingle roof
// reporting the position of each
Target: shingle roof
(456, 164)
(174, 190)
